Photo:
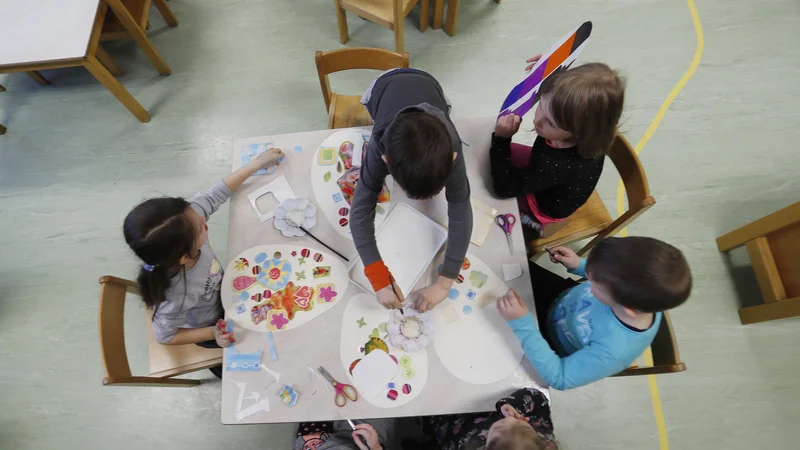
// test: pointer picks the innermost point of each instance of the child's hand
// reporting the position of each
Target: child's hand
(267, 159)
(365, 433)
(509, 411)
(224, 339)
(507, 125)
(388, 299)
(510, 306)
(565, 256)
(532, 62)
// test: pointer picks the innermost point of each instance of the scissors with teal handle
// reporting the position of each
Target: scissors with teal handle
(343, 391)
(506, 222)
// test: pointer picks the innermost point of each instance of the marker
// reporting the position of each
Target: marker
(553, 255)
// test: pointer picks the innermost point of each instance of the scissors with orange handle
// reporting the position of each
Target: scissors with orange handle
(343, 391)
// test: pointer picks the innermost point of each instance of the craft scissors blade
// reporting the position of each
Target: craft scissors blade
(506, 223)
(343, 391)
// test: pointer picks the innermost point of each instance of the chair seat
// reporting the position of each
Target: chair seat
(347, 111)
(589, 220)
(170, 360)
(377, 11)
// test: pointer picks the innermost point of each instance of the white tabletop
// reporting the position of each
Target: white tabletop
(45, 30)
(317, 343)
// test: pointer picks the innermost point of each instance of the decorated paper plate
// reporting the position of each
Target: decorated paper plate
(280, 287)
(334, 180)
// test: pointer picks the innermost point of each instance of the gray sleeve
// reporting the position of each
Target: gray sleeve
(208, 201)
(459, 213)
(166, 323)
(362, 211)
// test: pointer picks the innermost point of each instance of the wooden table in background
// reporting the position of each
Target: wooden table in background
(52, 34)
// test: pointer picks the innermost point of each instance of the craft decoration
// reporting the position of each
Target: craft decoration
(241, 265)
(410, 329)
(242, 362)
(272, 373)
(279, 188)
(262, 405)
(358, 343)
(288, 395)
(477, 279)
(248, 151)
(511, 271)
(558, 57)
(494, 351)
(273, 355)
(293, 213)
(372, 374)
(334, 191)
(280, 295)
(408, 259)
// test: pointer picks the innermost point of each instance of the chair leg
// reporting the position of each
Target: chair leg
(423, 15)
(438, 13)
(782, 309)
(38, 78)
(341, 20)
(119, 91)
(166, 13)
(452, 17)
(2, 89)
(138, 35)
(2, 129)
(106, 59)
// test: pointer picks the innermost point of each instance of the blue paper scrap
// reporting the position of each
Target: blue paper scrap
(242, 362)
(273, 355)
(249, 150)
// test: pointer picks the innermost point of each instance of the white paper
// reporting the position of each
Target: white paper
(240, 398)
(262, 405)
(406, 253)
(482, 220)
(479, 347)
(274, 374)
(364, 308)
(511, 271)
(373, 373)
(279, 188)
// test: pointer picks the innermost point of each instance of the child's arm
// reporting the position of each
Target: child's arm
(269, 158)
(459, 214)
(589, 364)
(194, 335)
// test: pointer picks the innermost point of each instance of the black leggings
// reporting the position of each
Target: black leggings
(547, 286)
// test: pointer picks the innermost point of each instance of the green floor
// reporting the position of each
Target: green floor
(74, 161)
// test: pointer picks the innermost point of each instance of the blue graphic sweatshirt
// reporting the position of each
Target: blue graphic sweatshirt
(591, 342)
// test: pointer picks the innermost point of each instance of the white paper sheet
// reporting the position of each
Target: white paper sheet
(279, 188)
(479, 347)
(511, 271)
(373, 373)
(262, 405)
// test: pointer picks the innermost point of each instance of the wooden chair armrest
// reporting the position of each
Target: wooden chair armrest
(131, 286)
(621, 222)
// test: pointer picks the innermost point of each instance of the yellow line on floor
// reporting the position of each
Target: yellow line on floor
(648, 355)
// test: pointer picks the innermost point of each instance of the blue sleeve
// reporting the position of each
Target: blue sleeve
(589, 364)
(580, 270)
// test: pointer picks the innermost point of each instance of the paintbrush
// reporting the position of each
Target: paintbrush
(295, 224)
(553, 255)
(391, 283)
(353, 426)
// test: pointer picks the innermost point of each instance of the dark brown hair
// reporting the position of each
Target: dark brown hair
(419, 153)
(160, 233)
(518, 438)
(641, 273)
(587, 101)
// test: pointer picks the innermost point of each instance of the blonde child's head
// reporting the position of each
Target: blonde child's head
(583, 105)
(511, 433)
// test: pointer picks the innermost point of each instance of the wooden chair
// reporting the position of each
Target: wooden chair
(593, 219)
(666, 358)
(166, 361)
(452, 15)
(346, 111)
(114, 30)
(773, 243)
(386, 13)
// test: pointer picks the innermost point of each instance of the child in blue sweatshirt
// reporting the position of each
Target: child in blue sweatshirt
(588, 331)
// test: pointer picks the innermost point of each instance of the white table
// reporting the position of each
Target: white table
(317, 343)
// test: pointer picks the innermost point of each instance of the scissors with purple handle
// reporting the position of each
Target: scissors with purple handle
(506, 222)
(343, 391)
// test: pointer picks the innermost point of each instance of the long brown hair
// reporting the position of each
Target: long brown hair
(587, 101)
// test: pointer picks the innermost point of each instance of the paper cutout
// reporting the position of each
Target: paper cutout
(248, 151)
(336, 190)
(240, 398)
(300, 275)
(293, 213)
(274, 374)
(279, 188)
(288, 395)
(241, 362)
(406, 389)
(241, 265)
(262, 405)
(511, 271)
(273, 355)
(392, 395)
(558, 57)
(453, 294)
(482, 220)
(321, 272)
(493, 352)
(373, 372)
(449, 314)
(326, 292)
(477, 279)
(298, 149)
(361, 323)
(486, 300)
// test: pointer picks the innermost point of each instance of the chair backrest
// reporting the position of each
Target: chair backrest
(355, 58)
(111, 324)
(631, 171)
(666, 358)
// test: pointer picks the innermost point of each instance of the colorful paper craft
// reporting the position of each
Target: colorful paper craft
(321, 272)
(248, 151)
(242, 362)
(559, 57)
(279, 188)
(372, 374)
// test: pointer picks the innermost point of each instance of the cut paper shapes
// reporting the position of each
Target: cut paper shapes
(361, 323)
(477, 279)
(321, 272)
(372, 374)
(334, 191)
(241, 265)
(557, 58)
(249, 151)
(406, 389)
(482, 221)
(288, 395)
(273, 355)
(279, 188)
(242, 362)
(317, 257)
(453, 294)
(293, 213)
(359, 343)
(460, 279)
(449, 314)
(511, 271)
(466, 264)
(410, 329)
(298, 149)
(486, 300)
(494, 351)
(281, 295)
(391, 395)
(272, 373)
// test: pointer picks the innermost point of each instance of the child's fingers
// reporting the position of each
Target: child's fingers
(358, 441)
